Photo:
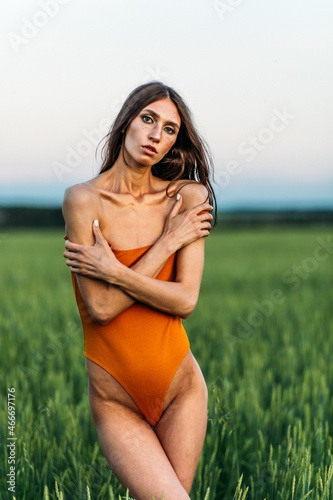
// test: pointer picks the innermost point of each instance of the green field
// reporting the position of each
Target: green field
(261, 332)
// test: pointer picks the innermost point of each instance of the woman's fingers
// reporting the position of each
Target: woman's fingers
(73, 247)
(175, 209)
(92, 261)
(98, 233)
(73, 254)
(201, 226)
(68, 254)
(206, 226)
(190, 225)
(205, 216)
(72, 259)
(205, 221)
(77, 248)
(203, 207)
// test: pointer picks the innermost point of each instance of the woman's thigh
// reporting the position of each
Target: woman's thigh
(182, 427)
(128, 442)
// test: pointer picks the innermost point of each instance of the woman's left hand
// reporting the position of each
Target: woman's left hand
(98, 261)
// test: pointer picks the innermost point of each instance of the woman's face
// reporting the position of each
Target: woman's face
(152, 133)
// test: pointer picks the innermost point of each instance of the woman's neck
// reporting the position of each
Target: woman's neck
(121, 178)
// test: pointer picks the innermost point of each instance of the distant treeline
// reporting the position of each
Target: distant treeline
(35, 217)
(30, 217)
(255, 218)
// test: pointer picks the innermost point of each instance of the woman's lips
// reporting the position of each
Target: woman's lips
(150, 150)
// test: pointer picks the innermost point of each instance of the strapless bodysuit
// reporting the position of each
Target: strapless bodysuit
(142, 347)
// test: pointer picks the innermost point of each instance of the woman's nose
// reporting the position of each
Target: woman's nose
(155, 133)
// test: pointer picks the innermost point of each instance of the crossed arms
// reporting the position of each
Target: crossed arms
(109, 288)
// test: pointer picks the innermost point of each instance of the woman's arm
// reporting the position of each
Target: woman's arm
(105, 301)
(178, 298)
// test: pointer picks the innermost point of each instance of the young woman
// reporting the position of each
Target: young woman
(136, 251)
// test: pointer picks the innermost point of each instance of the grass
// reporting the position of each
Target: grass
(260, 332)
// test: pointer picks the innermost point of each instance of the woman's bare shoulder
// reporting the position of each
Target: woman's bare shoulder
(80, 208)
(81, 204)
(193, 193)
(79, 195)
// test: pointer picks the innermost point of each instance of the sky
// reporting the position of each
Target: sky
(256, 74)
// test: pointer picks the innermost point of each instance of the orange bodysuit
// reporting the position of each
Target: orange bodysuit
(142, 347)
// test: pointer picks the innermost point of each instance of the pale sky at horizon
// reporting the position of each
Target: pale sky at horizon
(239, 67)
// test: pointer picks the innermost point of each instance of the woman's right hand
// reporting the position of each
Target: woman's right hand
(189, 226)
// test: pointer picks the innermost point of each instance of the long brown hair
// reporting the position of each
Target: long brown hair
(189, 158)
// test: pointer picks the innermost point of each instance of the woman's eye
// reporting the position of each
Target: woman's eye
(147, 119)
(169, 130)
